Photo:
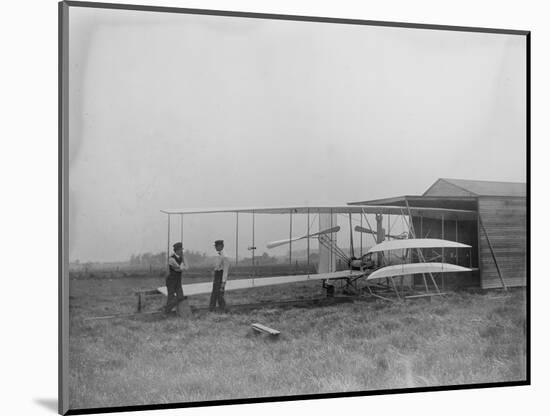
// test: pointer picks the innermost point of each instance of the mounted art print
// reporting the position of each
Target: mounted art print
(263, 207)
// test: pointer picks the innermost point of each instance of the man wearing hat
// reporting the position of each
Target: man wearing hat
(176, 265)
(221, 269)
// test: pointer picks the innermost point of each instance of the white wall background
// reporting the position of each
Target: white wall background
(29, 204)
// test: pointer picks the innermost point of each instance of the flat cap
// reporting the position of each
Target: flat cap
(218, 243)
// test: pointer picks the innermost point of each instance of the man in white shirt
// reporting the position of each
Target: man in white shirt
(221, 270)
(176, 266)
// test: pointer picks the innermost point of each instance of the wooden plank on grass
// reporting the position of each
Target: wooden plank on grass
(265, 329)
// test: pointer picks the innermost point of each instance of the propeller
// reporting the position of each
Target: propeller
(278, 243)
(401, 236)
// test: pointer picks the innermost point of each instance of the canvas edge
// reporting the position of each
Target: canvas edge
(63, 204)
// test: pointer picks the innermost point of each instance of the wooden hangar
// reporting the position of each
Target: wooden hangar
(498, 232)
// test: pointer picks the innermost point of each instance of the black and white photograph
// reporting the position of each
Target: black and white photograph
(264, 207)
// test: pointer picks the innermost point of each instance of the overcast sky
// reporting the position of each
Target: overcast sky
(184, 111)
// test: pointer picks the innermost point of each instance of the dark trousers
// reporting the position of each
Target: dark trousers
(175, 292)
(217, 291)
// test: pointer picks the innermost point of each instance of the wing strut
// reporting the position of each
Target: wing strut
(168, 245)
(327, 242)
(237, 238)
(290, 240)
(308, 240)
(419, 252)
(368, 223)
(351, 237)
(253, 248)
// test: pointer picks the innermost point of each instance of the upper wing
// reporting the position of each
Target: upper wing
(333, 209)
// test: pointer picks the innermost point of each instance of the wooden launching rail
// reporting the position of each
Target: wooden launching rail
(424, 295)
(142, 295)
(121, 315)
(297, 303)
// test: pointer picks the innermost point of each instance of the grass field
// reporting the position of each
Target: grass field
(461, 338)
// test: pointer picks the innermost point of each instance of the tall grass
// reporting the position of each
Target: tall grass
(462, 338)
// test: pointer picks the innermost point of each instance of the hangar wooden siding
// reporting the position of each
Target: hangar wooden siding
(505, 221)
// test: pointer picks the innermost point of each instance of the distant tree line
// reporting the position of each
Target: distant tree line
(148, 259)
(195, 258)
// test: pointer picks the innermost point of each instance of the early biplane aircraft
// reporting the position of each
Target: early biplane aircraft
(376, 268)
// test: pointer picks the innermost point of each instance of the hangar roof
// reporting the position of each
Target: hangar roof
(460, 187)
